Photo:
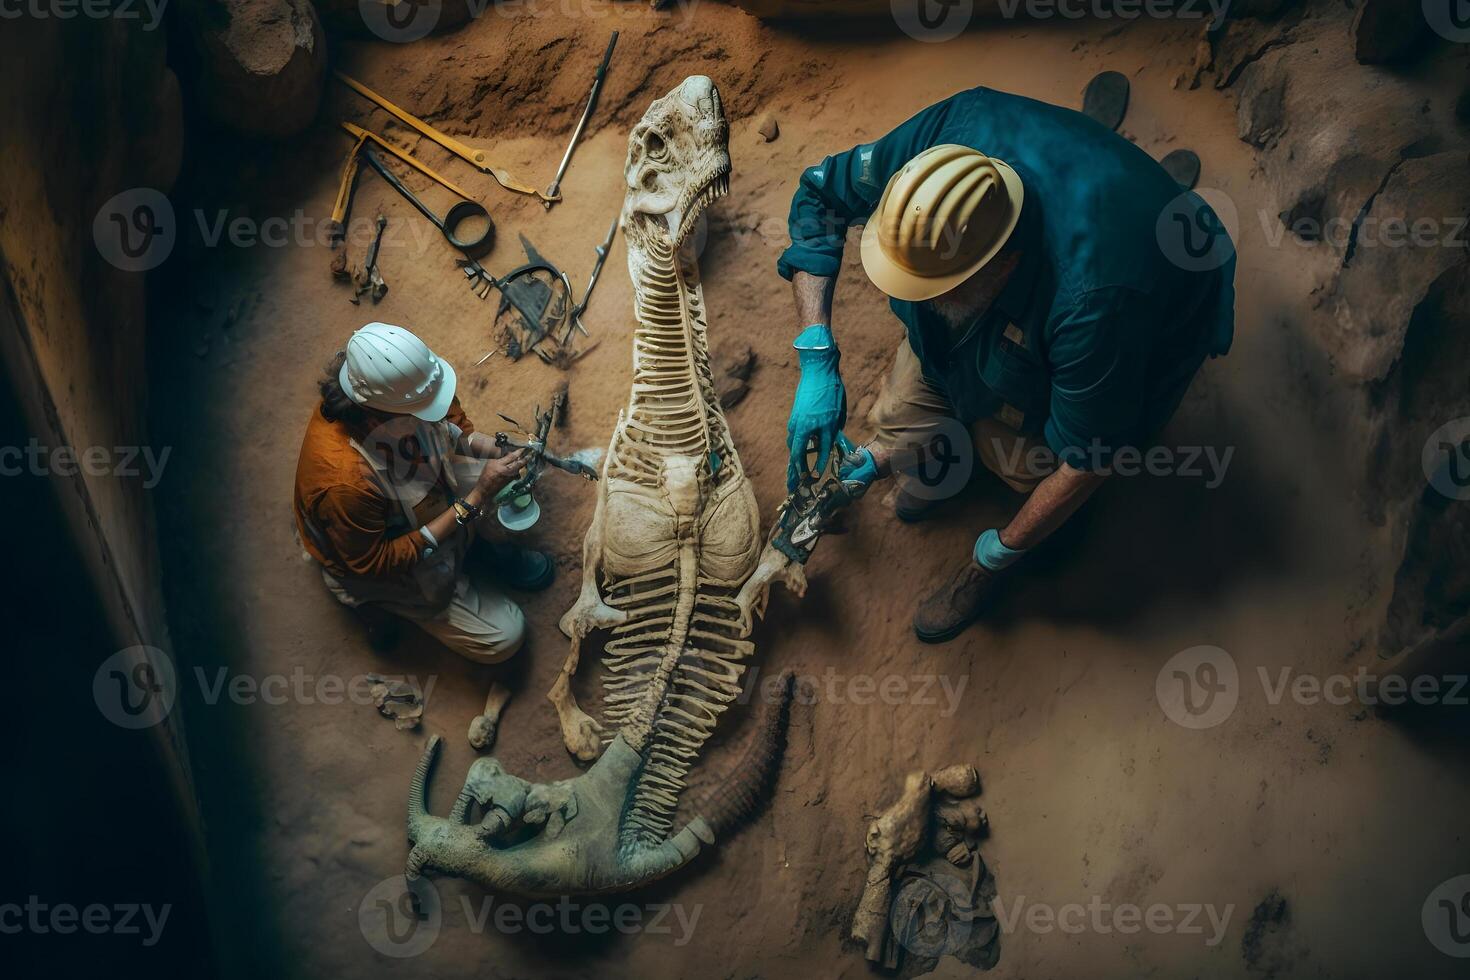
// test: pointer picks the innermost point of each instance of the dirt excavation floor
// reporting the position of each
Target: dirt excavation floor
(1314, 832)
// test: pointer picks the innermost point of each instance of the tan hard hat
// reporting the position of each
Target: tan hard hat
(941, 217)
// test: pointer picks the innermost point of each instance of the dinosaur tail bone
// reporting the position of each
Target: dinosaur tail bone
(735, 799)
(418, 811)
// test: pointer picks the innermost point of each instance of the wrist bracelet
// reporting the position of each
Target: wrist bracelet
(465, 512)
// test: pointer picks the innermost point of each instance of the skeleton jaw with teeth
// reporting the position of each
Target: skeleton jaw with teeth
(678, 164)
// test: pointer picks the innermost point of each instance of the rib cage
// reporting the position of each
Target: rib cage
(685, 645)
(670, 671)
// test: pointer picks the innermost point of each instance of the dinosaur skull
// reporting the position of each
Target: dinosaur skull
(678, 161)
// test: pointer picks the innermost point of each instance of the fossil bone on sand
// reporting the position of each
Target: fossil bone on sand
(937, 810)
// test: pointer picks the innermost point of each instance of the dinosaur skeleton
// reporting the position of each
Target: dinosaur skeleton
(667, 563)
(675, 548)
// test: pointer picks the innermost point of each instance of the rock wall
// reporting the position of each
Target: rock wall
(91, 110)
(1356, 118)
(261, 64)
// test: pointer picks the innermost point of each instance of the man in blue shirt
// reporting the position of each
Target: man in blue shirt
(1059, 292)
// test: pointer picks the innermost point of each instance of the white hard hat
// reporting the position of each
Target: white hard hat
(391, 370)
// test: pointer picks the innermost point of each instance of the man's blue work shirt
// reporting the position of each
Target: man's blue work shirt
(1115, 302)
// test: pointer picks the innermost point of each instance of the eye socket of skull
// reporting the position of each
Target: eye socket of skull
(654, 143)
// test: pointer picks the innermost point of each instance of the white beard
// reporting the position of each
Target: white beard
(970, 300)
(956, 314)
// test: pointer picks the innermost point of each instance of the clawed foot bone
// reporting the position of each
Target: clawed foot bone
(774, 565)
(502, 795)
(510, 801)
(484, 726)
(553, 805)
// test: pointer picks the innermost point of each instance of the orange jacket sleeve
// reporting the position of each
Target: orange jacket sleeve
(458, 417)
(355, 522)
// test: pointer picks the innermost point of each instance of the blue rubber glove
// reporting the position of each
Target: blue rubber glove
(858, 469)
(819, 409)
(992, 554)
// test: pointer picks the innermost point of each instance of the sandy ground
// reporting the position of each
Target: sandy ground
(1095, 796)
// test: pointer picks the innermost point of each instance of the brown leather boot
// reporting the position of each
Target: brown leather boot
(958, 603)
(912, 509)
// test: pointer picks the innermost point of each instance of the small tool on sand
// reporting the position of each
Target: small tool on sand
(553, 193)
(468, 211)
(574, 317)
(537, 292)
(371, 281)
(541, 296)
(465, 212)
(475, 158)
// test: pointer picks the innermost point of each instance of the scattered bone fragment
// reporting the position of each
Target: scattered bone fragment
(485, 724)
(397, 699)
(938, 817)
(768, 128)
(892, 839)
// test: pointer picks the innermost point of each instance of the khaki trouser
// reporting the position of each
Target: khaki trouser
(909, 411)
(480, 623)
